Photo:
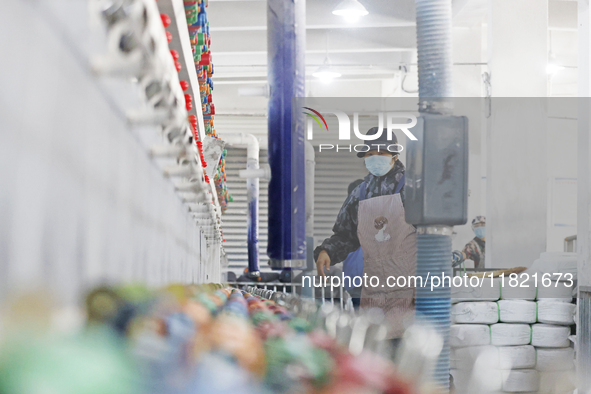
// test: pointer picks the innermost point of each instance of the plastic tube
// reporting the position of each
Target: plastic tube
(434, 38)
(433, 258)
(252, 187)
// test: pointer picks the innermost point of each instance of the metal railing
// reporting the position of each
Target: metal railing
(322, 294)
(357, 330)
(273, 286)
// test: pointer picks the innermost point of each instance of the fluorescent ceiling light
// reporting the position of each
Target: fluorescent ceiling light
(553, 67)
(326, 73)
(351, 10)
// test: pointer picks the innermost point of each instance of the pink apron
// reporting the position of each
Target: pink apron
(389, 250)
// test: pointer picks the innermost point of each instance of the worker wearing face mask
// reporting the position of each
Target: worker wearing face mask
(372, 217)
(474, 250)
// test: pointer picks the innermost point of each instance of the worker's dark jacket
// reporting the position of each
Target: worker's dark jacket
(344, 240)
(475, 250)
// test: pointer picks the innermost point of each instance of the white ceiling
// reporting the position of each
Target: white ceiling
(368, 53)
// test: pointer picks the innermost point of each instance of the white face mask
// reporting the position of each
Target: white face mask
(379, 165)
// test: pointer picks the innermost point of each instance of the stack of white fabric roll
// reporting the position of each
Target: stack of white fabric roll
(551, 337)
(512, 340)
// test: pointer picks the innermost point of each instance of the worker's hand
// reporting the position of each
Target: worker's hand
(457, 257)
(323, 262)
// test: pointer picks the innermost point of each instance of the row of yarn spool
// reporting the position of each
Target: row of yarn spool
(513, 339)
(188, 98)
(138, 48)
(200, 44)
(188, 340)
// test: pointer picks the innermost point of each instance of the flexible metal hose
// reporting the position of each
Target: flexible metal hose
(434, 40)
(434, 53)
(433, 303)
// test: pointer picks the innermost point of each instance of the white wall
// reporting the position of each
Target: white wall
(517, 192)
(562, 172)
(468, 87)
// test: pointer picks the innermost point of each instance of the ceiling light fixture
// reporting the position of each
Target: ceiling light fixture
(351, 10)
(553, 67)
(326, 73)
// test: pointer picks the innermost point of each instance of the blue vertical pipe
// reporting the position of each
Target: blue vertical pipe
(434, 40)
(434, 303)
(285, 60)
(434, 52)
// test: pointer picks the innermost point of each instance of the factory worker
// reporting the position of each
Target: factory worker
(372, 217)
(474, 250)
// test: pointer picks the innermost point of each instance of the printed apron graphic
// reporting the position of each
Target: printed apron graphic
(381, 223)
